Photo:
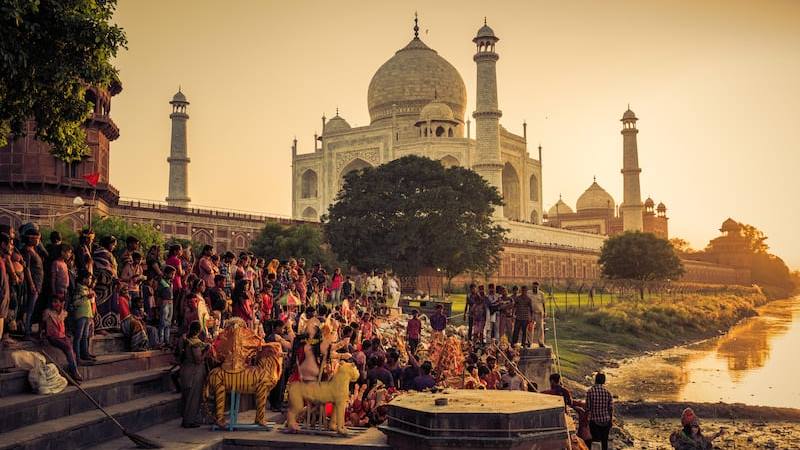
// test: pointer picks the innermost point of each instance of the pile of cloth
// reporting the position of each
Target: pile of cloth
(43, 376)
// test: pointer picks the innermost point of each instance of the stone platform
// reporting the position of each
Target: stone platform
(171, 436)
(537, 365)
(477, 419)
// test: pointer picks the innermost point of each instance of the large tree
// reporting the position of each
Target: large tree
(411, 214)
(300, 241)
(50, 51)
(639, 257)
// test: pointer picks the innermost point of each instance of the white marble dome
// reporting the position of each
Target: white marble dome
(410, 78)
(436, 110)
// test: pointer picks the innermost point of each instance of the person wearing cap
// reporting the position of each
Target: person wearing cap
(690, 437)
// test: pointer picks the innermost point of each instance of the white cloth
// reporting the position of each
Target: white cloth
(43, 376)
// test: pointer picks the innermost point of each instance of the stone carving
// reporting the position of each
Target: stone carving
(369, 155)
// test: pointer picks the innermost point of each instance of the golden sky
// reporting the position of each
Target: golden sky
(715, 84)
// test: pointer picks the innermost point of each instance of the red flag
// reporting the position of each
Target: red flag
(92, 178)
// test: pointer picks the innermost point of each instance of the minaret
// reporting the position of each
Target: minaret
(631, 207)
(178, 157)
(488, 162)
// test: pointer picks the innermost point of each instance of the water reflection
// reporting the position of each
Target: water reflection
(751, 364)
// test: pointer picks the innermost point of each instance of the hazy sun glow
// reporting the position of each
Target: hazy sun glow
(715, 85)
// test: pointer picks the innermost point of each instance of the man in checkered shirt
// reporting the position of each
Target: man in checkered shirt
(600, 406)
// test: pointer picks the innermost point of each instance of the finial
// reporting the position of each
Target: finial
(559, 196)
(540, 146)
(594, 178)
(179, 88)
(484, 20)
(416, 25)
(337, 111)
(629, 106)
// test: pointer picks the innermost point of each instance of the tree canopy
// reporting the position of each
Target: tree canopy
(411, 214)
(639, 256)
(301, 241)
(50, 51)
(121, 229)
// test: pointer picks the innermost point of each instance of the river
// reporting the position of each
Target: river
(757, 363)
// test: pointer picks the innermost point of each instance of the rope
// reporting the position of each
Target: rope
(39, 216)
(555, 338)
(500, 351)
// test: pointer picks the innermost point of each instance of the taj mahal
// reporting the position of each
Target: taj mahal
(417, 106)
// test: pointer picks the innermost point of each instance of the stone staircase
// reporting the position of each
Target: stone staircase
(134, 387)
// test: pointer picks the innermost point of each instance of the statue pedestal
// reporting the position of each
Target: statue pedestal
(489, 420)
(537, 365)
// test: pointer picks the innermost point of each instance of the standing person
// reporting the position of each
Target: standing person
(192, 374)
(165, 295)
(196, 308)
(413, 330)
(175, 259)
(83, 313)
(221, 304)
(492, 299)
(468, 308)
(153, 263)
(505, 314)
(206, 269)
(5, 288)
(243, 301)
(523, 311)
(599, 403)
(227, 270)
(83, 252)
(438, 320)
(132, 275)
(538, 314)
(348, 288)
(478, 314)
(393, 288)
(34, 275)
(131, 245)
(59, 273)
(337, 282)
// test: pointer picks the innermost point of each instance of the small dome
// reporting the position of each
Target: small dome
(661, 207)
(649, 203)
(179, 97)
(595, 197)
(436, 110)
(627, 115)
(336, 125)
(485, 31)
(559, 209)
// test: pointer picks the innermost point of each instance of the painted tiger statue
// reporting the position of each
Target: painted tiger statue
(257, 379)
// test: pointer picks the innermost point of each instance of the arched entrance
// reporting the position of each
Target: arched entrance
(511, 193)
(356, 164)
(308, 184)
(449, 161)
(310, 214)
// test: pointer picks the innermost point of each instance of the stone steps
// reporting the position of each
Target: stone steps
(85, 429)
(172, 436)
(15, 381)
(21, 410)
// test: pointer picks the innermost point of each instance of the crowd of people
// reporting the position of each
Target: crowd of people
(174, 300)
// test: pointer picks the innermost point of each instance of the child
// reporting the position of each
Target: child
(266, 303)
(55, 332)
(164, 294)
(83, 312)
(413, 330)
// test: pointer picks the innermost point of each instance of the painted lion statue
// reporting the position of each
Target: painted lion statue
(257, 379)
(336, 391)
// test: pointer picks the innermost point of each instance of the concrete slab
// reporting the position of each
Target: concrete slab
(172, 436)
